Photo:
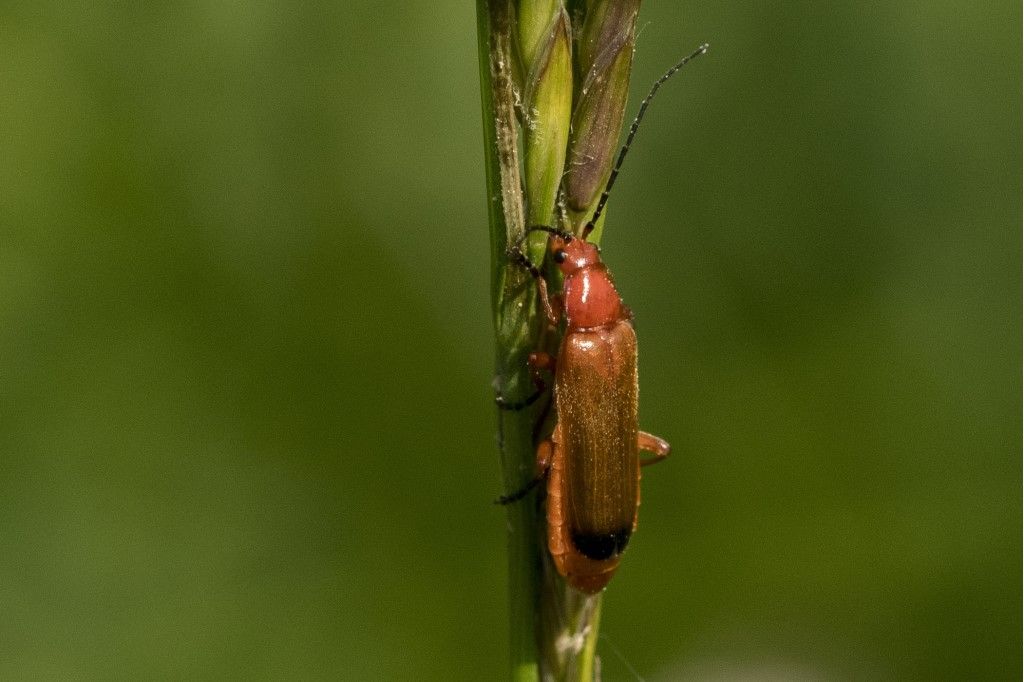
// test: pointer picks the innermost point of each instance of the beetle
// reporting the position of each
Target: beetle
(592, 457)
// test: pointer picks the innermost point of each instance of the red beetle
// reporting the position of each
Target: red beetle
(593, 455)
(592, 458)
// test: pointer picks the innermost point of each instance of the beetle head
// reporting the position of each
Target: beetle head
(572, 254)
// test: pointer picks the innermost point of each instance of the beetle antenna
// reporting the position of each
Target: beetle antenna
(551, 230)
(566, 236)
(516, 255)
(588, 228)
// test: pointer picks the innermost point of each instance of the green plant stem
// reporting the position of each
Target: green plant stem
(553, 628)
(514, 308)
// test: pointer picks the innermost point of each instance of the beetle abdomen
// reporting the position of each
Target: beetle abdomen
(602, 546)
(596, 391)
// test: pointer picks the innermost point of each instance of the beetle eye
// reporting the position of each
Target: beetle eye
(560, 256)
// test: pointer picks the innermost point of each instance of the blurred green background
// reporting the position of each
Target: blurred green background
(246, 427)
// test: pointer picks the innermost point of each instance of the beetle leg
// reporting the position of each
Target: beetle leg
(544, 453)
(538, 361)
(656, 446)
(552, 307)
(552, 304)
(520, 405)
(541, 360)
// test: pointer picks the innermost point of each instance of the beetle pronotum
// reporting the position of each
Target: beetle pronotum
(592, 458)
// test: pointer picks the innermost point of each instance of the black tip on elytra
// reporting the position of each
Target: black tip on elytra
(599, 546)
